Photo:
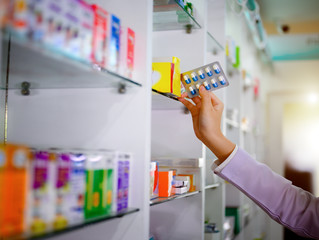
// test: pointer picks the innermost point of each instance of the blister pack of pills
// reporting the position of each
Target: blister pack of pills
(211, 76)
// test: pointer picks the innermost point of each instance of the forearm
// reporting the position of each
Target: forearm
(220, 146)
(285, 203)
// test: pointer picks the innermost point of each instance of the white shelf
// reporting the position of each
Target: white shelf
(160, 200)
(231, 123)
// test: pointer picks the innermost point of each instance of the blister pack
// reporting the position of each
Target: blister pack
(211, 76)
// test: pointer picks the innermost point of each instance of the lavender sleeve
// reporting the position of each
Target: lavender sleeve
(287, 204)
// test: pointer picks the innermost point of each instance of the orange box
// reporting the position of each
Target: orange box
(165, 183)
(14, 162)
(192, 186)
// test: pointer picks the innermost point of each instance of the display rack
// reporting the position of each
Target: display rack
(42, 64)
(160, 200)
(173, 16)
(85, 224)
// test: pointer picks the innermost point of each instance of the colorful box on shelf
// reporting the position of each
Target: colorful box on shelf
(166, 77)
(73, 28)
(58, 188)
(165, 180)
(14, 164)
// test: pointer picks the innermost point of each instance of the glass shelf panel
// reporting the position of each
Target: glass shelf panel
(45, 68)
(159, 200)
(213, 45)
(79, 226)
(172, 16)
(212, 186)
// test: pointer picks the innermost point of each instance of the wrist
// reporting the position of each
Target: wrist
(220, 146)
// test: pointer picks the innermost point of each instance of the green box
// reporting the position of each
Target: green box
(234, 212)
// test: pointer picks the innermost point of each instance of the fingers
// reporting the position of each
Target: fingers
(206, 98)
(216, 101)
(187, 104)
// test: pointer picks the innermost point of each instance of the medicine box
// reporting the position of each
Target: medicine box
(14, 163)
(77, 188)
(100, 35)
(62, 189)
(42, 192)
(166, 77)
(165, 183)
(113, 53)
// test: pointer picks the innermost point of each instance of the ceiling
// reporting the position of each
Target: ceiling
(292, 28)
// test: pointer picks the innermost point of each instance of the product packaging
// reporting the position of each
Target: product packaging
(99, 183)
(19, 17)
(113, 52)
(72, 28)
(77, 188)
(166, 77)
(127, 46)
(63, 189)
(152, 178)
(123, 180)
(165, 183)
(211, 76)
(42, 192)
(54, 22)
(36, 24)
(100, 35)
(14, 164)
(86, 30)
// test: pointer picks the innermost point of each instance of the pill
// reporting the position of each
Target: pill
(198, 86)
(214, 83)
(209, 71)
(194, 77)
(187, 79)
(201, 74)
(192, 91)
(207, 86)
(222, 80)
(216, 68)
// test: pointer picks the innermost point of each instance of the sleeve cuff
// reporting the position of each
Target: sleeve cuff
(217, 167)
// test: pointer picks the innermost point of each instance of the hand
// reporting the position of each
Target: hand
(207, 115)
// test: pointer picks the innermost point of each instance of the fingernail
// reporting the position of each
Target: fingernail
(201, 88)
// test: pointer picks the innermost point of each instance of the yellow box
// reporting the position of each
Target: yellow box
(166, 77)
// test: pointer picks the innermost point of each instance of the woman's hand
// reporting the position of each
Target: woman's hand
(207, 115)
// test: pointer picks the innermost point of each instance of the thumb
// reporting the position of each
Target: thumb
(206, 98)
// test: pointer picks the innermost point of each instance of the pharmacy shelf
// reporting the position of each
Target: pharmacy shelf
(212, 186)
(213, 45)
(231, 123)
(160, 200)
(85, 224)
(172, 16)
(42, 64)
(164, 101)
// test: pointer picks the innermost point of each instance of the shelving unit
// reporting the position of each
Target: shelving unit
(169, 117)
(74, 104)
(172, 16)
